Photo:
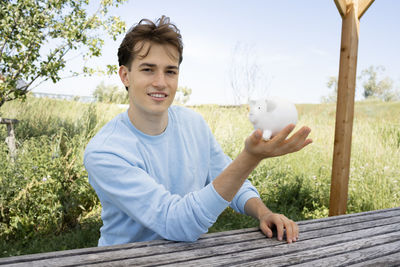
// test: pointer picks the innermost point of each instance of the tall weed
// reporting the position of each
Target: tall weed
(45, 191)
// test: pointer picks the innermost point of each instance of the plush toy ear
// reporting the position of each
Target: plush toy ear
(271, 105)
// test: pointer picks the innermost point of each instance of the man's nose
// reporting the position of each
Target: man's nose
(159, 80)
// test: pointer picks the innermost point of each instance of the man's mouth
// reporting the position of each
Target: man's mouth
(158, 95)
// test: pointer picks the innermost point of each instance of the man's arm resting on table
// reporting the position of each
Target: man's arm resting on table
(256, 149)
(255, 208)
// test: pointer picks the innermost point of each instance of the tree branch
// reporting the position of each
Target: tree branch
(15, 76)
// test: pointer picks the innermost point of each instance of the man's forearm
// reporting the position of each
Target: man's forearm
(228, 183)
(255, 208)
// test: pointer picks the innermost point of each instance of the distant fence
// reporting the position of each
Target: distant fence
(85, 99)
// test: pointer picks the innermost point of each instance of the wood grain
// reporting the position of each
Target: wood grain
(341, 6)
(344, 112)
(339, 239)
(363, 5)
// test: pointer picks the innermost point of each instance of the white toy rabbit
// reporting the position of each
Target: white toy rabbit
(271, 115)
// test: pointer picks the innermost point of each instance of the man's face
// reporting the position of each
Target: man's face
(152, 80)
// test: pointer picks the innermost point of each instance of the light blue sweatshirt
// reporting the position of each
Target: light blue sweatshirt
(155, 187)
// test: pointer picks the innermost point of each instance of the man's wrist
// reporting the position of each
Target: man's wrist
(250, 157)
(256, 208)
(264, 213)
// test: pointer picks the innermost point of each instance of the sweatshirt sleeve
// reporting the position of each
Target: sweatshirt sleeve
(138, 195)
(246, 192)
(219, 161)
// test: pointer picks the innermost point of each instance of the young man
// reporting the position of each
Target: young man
(158, 170)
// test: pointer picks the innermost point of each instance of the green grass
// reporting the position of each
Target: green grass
(296, 185)
(85, 234)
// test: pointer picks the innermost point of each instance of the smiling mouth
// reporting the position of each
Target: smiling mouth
(158, 95)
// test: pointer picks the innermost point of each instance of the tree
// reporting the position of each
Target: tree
(37, 35)
(247, 79)
(182, 95)
(376, 86)
(333, 85)
(111, 94)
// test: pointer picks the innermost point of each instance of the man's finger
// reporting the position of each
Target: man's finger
(256, 136)
(298, 140)
(279, 228)
(296, 231)
(266, 230)
(289, 230)
(306, 143)
(282, 135)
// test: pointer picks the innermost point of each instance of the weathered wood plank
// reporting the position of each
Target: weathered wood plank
(387, 260)
(358, 255)
(282, 256)
(77, 252)
(346, 220)
(322, 223)
(8, 121)
(343, 228)
(367, 215)
(361, 216)
(10, 139)
(267, 248)
(305, 226)
(158, 247)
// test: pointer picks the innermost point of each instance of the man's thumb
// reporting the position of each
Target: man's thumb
(256, 136)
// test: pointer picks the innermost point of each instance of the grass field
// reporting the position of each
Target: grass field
(46, 203)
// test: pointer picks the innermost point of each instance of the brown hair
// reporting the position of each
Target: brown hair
(161, 32)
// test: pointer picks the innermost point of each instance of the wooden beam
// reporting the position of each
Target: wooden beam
(344, 111)
(10, 139)
(341, 6)
(8, 121)
(363, 5)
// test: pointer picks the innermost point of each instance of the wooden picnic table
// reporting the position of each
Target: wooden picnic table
(360, 239)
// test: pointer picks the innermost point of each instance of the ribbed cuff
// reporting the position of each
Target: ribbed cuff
(212, 201)
(244, 197)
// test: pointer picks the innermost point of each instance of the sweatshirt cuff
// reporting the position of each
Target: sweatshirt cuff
(212, 201)
(244, 197)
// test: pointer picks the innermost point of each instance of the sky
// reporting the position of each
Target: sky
(295, 44)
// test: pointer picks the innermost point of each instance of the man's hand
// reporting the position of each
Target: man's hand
(279, 145)
(228, 183)
(269, 220)
(256, 208)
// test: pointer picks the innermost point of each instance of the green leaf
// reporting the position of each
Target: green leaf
(27, 26)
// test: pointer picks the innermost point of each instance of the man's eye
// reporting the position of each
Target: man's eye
(147, 70)
(172, 72)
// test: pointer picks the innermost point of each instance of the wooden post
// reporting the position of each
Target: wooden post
(10, 139)
(351, 12)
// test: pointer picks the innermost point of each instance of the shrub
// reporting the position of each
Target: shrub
(46, 189)
(111, 94)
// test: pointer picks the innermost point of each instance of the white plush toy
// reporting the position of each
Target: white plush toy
(272, 115)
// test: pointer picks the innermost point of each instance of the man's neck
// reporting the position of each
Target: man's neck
(150, 124)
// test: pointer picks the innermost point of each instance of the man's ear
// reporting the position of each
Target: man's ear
(123, 75)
